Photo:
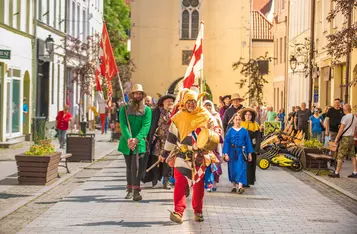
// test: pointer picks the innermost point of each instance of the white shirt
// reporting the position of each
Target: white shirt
(346, 121)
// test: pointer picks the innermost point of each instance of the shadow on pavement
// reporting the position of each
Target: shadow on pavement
(122, 223)
(9, 195)
(107, 180)
(101, 199)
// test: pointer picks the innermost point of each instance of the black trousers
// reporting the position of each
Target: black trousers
(132, 177)
(251, 168)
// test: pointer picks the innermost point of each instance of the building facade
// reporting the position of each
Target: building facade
(280, 72)
(163, 35)
(49, 85)
(17, 50)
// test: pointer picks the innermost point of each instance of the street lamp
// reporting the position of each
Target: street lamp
(49, 42)
(293, 63)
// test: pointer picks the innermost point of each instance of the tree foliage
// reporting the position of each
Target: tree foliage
(252, 77)
(343, 40)
(116, 15)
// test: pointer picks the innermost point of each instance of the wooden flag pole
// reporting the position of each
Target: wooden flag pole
(202, 79)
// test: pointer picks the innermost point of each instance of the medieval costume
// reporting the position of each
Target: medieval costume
(255, 137)
(139, 119)
(182, 152)
(214, 170)
(237, 145)
(231, 111)
(157, 137)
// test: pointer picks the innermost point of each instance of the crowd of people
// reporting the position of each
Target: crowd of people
(183, 140)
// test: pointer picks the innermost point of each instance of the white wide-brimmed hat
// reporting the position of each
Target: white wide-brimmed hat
(137, 88)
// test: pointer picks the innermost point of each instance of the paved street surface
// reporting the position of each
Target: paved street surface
(279, 203)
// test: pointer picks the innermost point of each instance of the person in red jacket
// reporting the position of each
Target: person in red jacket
(62, 122)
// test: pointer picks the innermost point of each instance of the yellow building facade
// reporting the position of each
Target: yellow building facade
(163, 35)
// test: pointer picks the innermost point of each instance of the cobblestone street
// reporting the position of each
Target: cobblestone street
(92, 201)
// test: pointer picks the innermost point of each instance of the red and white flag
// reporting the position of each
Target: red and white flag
(106, 65)
(196, 62)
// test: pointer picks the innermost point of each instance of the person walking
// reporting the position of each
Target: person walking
(235, 107)
(226, 103)
(302, 120)
(316, 124)
(237, 150)
(345, 136)
(135, 121)
(214, 171)
(333, 119)
(185, 156)
(271, 114)
(62, 123)
(281, 118)
(248, 115)
(156, 139)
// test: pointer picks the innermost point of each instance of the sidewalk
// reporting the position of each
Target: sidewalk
(347, 186)
(13, 195)
(278, 203)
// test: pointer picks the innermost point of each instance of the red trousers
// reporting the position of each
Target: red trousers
(180, 194)
(102, 121)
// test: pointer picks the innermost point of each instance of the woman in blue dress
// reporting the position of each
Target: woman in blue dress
(237, 150)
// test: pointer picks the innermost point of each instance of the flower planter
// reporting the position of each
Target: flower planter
(82, 147)
(37, 170)
(314, 162)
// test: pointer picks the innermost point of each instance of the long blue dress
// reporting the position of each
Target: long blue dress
(236, 165)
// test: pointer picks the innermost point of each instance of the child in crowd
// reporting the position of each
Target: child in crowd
(237, 151)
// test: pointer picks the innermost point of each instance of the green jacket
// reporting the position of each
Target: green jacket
(140, 127)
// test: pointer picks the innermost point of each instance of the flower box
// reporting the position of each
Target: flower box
(37, 170)
(82, 147)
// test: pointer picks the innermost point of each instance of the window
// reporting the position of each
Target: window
(72, 18)
(55, 13)
(52, 83)
(190, 19)
(78, 21)
(28, 21)
(11, 12)
(18, 14)
(39, 17)
(281, 50)
(48, 13)
(84, 23)
(2, 13)
(276, 61)
(282, 4)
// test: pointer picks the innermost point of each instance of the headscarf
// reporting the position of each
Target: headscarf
(185, 121)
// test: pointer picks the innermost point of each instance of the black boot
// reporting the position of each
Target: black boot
(137, 196)
(129, 194)
(166, 183)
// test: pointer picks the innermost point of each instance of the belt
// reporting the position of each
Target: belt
(237, 146)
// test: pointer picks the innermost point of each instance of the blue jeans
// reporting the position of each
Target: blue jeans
(61, 137)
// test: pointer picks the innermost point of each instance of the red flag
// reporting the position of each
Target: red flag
(106, 66)
(196, 62)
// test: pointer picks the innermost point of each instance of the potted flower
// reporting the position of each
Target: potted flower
(38, 165)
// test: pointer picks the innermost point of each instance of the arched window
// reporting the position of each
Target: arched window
(190, 19)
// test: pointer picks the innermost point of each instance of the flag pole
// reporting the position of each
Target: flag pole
(202, 79)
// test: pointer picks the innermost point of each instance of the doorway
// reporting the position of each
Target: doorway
(13, 103)
(43, 89)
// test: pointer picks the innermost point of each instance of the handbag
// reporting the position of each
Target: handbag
(322, 125)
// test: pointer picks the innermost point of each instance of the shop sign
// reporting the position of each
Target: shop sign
(5, 54)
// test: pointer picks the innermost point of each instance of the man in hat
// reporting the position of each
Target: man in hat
(135, 121)
(189, 160)
(157, 138)
(236, 106)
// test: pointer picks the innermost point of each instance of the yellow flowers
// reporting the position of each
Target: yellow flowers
(44, 147)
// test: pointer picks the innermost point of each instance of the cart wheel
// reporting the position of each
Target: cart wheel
(296, 166)
(263, 163)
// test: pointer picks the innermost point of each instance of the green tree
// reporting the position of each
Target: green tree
(117, 18)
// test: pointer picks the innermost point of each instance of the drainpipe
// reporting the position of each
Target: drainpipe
(287, 34)
(35, 60)
(312, 51)
(250, 41)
